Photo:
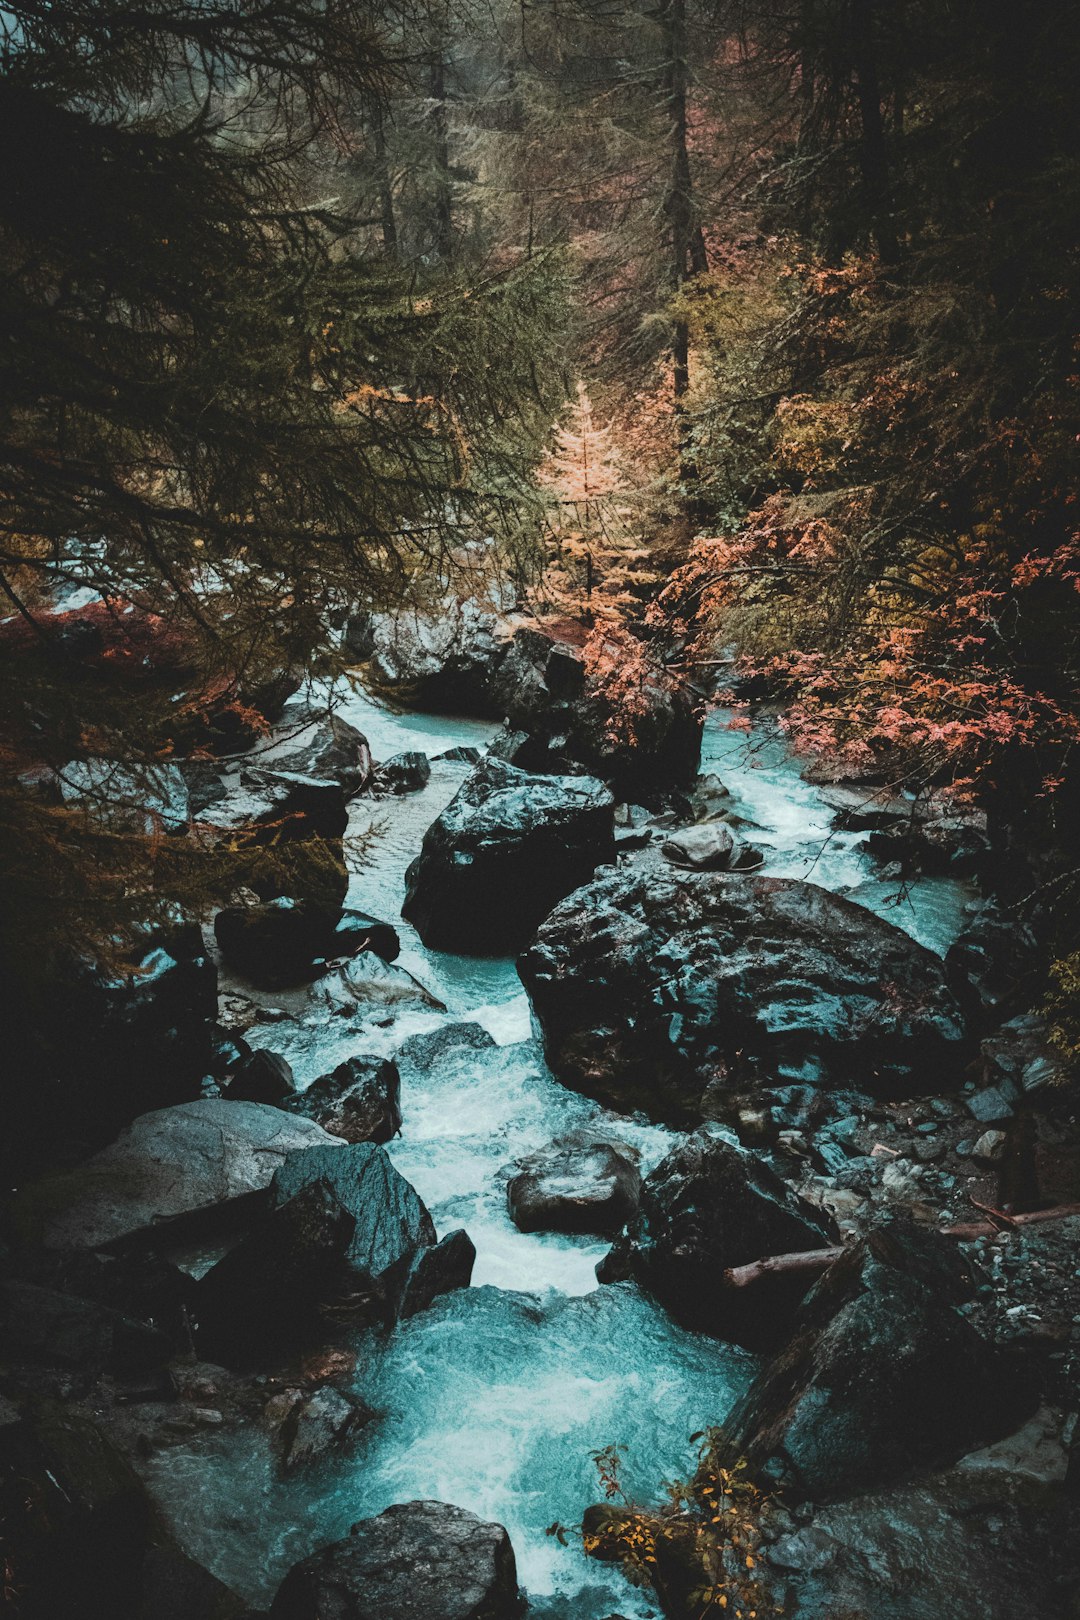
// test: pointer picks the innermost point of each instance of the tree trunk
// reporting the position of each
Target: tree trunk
(688, 254)
(386, 195)
(444, 218)
(873, 155)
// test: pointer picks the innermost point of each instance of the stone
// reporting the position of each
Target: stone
(307, 1425)
(1020, 1055)
(544, 691)
(357, 932)
(405, 773)
(993, 1102)
(327, 748)
(275, 942)
(441, 1270)
(266, 1297)
(82, 1534)
(990, 1147)
(710, 1205)
(883, 1378)
(261, 1077)
(705, 848)
(416, 1561)
(503, 852)
(128, 798)
(182, 1163)
(61, 1330)
(359, 1101)
(652, 986)
(579, 1184)
(391, 1222)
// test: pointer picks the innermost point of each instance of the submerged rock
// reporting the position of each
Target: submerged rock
(578, 1184)
(883, 1378)
(651, 985)
(441, 1270)
(416, 1561)
(705, 848)
(181, 1162)
(503, 852)
(360, 1100)
(710, 1205)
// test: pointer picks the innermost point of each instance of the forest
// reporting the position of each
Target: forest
(539, 809)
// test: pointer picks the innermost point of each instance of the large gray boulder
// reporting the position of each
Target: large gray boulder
(503, 852)
(139, 799)
(710, 1205)
(328, 748)
(360, 1100)
(416, 1561)
(651, 985)
(174, 1163)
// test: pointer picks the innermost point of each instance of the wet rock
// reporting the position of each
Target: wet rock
(542, 688)
(62, 1330)
(176, 1163)
(441, 1270)
(81, 1535)
(261, 1077)
(883, 1378)
(993, 962)
(86, 1049)
(993, 1102)
(705, 848)
(358, 932)
(503, 852)
(275, 942)
(391, 1224)
(426, 1559)
(990, 1147)
(579, 1184)
(652, 986)
(710, 1205)
(1020, 1055)
(360, 1100)
(328, 749)
(462, 754)
(966, 1547)
(421, 1052)
(153, 798)
(308, 1425)
(279, 806)
(267, 1296)
(709, 797)
(405, 773)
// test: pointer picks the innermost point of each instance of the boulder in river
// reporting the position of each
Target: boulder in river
(275, 942)
(441, 1270)
(710, 1205)
(267, 1296)
(392, 1227)
(329, 749)
(360, 1100)
(581, 1183)
(503, 852)
(547, 694)
(261, 1077)
(651, 985)
(416, 1561)
(708, 847)
(307, 1424)
(128, 798)
(405, 773)
(176, 1163)
(883, 1379)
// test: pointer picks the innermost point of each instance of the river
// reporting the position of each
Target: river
(496, 1397)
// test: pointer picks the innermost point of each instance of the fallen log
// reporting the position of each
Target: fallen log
(818, 1260)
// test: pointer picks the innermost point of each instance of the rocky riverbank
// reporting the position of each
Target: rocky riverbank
(237, 1320)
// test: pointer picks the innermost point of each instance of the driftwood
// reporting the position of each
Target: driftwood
(818, 1260)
